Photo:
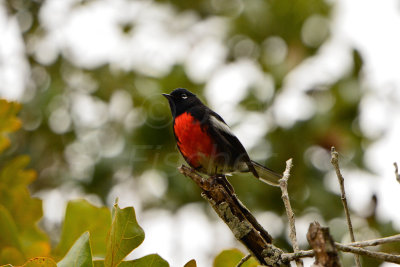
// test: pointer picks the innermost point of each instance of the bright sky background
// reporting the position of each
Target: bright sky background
(370, 26)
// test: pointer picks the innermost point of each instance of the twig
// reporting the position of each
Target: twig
(218, 192)
(375, 242)
(299, 254)
(283, 183)
(354, 248)
(246, 229)
(322, 243)
(364, 252)
(243, 260)
(396, 172)
(335, 163)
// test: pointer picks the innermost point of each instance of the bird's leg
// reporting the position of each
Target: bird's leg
(221, 179)
(213, 179)
(203, 183)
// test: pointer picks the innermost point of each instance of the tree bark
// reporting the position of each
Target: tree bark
(323, 245)
(219, 193)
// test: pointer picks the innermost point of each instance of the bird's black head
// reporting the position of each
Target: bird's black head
(180, 100)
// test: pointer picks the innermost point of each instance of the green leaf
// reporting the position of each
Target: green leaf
(80, 254)
(153, 260)
(125, 235)
(9, 235)
(81, 216)
(231, 257)
(191, 263)
(40, 262)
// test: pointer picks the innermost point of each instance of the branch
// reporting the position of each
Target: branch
(221, 196)
(375, 242)
(219, 193)
(298, 255)
(335, 163)
(323, 245)
(242, 261)
(283, 183)
(354, 248)
(364, 252)
(396, 172)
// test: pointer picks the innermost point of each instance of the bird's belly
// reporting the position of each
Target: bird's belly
(197, 147)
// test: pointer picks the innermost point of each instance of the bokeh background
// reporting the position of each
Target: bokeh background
(292, 78)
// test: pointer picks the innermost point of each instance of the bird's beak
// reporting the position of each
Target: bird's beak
(168, 96)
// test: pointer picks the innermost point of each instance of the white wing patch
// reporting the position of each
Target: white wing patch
(221, 126)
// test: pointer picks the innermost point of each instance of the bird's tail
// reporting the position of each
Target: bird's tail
(267, 175)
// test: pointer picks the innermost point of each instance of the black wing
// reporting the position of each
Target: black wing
(227, 142)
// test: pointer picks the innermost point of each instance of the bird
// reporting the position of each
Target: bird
(207, 143)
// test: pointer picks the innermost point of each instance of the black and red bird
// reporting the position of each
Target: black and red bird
(206, 141)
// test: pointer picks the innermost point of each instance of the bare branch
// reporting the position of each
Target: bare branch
(335, 163)
(219, 193)
(283, 183)
(364, 252)
(297, 255)
(243, 260)
(396, 172)
(323, 245)
(366, 243)
(375, 242)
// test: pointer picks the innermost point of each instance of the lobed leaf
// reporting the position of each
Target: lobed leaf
(124, 236)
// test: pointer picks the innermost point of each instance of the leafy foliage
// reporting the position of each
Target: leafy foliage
(23, 243)
(20, 238)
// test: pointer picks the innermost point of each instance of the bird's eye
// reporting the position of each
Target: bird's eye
(184, 96)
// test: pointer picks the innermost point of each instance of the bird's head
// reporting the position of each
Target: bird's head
(180, 100)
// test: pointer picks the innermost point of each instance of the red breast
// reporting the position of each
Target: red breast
(193, 140)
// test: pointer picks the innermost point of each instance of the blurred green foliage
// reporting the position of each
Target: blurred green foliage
(113, 236)
(20, 238)
(148, 141)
